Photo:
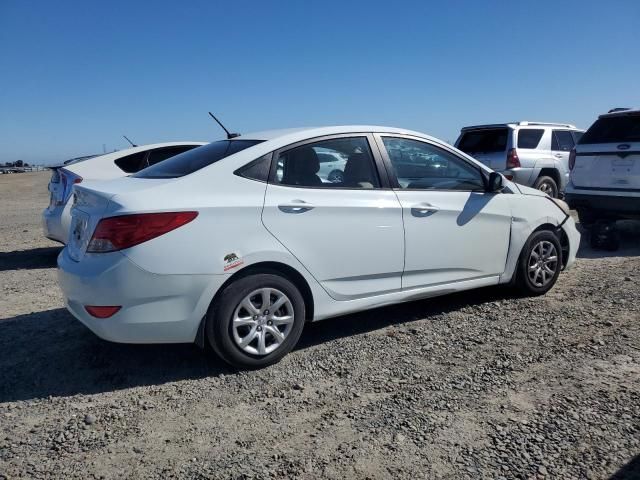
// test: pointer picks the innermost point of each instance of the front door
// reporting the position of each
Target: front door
(454, 230)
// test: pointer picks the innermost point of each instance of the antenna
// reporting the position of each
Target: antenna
(229, 135)
(127, 139)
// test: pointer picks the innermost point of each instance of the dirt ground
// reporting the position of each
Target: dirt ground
(477, 385)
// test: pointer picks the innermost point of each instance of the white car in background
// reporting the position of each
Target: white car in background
(56, 217)
(239, 243)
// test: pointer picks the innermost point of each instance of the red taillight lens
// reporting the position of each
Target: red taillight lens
(512, 159)
(101, 312)
(572, 158)
(117, 233)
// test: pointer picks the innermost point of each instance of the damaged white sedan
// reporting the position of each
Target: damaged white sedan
(240, 242)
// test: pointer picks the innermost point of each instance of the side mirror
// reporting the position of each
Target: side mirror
(495, 182)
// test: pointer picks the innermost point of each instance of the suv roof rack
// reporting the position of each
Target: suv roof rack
(523, 123)
(549, 124)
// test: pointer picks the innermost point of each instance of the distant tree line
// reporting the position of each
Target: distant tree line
(17, 163)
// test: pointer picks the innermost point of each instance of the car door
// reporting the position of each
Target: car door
(454, 229)
(349, 234)
(562, 142)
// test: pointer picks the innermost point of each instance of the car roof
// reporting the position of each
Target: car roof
(107, 157)
(304, 133)
(523, 123)
(621, 113)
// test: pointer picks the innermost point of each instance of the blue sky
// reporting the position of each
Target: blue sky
(78, 74)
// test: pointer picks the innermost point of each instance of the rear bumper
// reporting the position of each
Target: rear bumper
(154, 308)
(519, 175)
(615, 206)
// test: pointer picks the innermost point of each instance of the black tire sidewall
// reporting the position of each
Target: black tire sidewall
(523, 281)
(219, 317)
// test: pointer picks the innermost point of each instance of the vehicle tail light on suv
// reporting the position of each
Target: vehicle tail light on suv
(572, 158)
(125, 231)
(512, 159)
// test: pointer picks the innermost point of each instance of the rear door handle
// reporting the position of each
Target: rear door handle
(423, 210)
(557, 155)
(296, 206)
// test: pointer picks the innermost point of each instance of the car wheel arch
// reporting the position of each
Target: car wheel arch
(550, 172)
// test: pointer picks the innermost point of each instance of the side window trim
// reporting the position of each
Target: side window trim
(379, 166)
(241, 171)
(395, 185)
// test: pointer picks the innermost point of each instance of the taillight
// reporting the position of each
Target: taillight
(512, 159)
(101, 312)
(572, 158)
(68, 180)
(117, 233)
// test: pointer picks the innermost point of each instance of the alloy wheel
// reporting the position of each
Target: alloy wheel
(543, 263)
(262, 321)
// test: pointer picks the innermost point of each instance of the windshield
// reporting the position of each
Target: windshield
(618, 129)
(193, 160)
(484, 141)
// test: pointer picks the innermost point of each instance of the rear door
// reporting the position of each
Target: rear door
(349, 234)
(561, 144)
(608, 155)
(487, 145)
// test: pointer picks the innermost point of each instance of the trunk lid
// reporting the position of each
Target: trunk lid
(607, 166)
(93, 201)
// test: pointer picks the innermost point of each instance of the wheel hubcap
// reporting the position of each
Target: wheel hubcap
(543, 263)
(546, 188)
(262, 321)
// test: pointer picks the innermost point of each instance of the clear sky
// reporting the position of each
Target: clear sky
(76, 75)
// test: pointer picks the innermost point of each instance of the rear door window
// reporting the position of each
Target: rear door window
(486, 140)
(562, 141)
(529, 138)
(618, 129)
(195, 159)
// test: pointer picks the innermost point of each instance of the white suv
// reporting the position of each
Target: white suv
(605, 169)
(534, 154)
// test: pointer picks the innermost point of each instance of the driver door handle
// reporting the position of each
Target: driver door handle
(423, 210)
(295, 206)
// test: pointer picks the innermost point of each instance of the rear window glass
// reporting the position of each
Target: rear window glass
(131, 163)
(193, 160)
(529, 137)
(484, 141)
(623, 128)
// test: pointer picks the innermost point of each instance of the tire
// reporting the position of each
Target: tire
(586, 218)
(548, 185)
(230, 322)
(538, 282)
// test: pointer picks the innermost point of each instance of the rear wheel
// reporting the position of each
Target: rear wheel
(547, 185)
(539, 264)
(256, 321)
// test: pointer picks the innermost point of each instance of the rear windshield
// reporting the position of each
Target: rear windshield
(484, 141)
(193, 160)
(623, 128)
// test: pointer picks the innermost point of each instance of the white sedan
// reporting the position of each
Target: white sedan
(239, 243)
(57, 217)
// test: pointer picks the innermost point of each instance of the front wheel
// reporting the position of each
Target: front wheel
(539, 264)
(547, 185)
(256, 321)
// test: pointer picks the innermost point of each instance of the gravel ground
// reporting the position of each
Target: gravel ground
(476, 385)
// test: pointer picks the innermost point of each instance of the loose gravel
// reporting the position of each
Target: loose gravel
(483, 384)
